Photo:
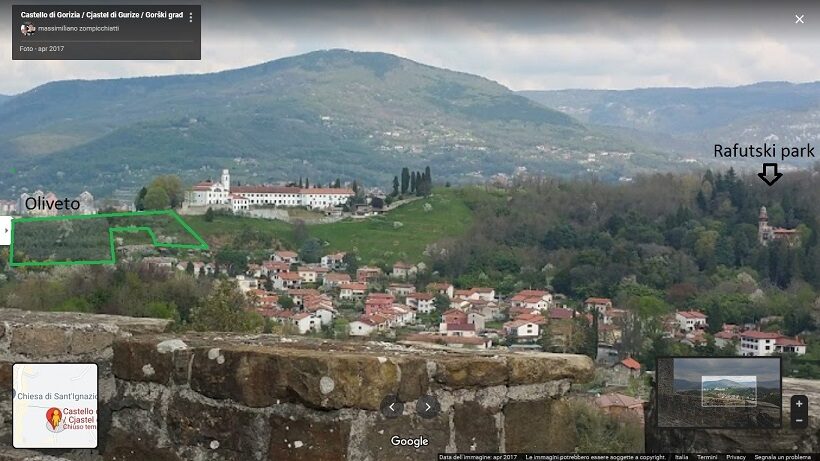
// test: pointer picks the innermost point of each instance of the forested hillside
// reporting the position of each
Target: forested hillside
(657, 244)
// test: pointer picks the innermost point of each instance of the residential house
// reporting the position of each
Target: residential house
(367, 274)
(622, 372)
(482, 294)
(402, 270)
(159, 262)
(476, 318)
(352, 290)
(401, 289)
(763, 343)
(458, 329)
(521, 329)
(306, 322)
(442, 288)
(334, 261)
(308, 274)
(287, 280)
(422, 302)
(690, 320)
(598, 304)
(533, 299)
(298, 295)
(454, 316)
(335, 279)
(489, 309)
(324, 314)
(621, 405)
(404, 315)
(285, 256)
(560, 313)
(368, 324)
(537, 319)
(378, 302)
(275, 267)
(200, 268)
(246, 283)
(362, 327)
(609, 334)
(612, 316)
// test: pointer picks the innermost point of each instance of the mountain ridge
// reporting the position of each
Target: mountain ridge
(324, 114)
(695, 118)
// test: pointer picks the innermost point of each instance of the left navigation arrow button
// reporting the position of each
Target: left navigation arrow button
(5, 234)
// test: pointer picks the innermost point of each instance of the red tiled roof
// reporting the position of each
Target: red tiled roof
(692, 314)
(380, 296)
(270, 265)
(265, 190)
(629, 362)
(560, 313)
(534, 318)
(593, 300)
(527, 294)
(438, 286)
(337, 277)
(287, 254)
(753, 334)
(327, 190)
(421, 296)
(355, 286)
(787, 341)
(725, 334)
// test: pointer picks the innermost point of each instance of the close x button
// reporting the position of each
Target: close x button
(800, 411)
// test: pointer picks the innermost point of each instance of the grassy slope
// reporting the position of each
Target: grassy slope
(375, 239)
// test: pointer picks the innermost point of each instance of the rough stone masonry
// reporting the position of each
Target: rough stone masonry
(167, 397)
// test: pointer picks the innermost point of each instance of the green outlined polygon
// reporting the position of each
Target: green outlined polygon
(200, 245)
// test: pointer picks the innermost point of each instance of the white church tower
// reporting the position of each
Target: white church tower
(226, 180)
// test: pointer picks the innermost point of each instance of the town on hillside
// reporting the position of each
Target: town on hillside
(315, 291)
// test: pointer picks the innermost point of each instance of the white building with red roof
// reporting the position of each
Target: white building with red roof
(690, 320)
(352, 290)
(335, 279)
(285, 256)
(532, 299)
(458, 329)
(522, 329)
(208, 193)
(598, 304)
(762, 343)
(334, 261)
(239, 203)
(422, 302)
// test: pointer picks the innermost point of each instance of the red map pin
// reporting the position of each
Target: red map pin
(53, 416)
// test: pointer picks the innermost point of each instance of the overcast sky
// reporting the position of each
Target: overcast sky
(523, 46)
(691, 369)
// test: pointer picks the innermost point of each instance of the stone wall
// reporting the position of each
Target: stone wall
(261, 397)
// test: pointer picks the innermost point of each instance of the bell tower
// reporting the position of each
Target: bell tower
(763, 225)
(226, 179)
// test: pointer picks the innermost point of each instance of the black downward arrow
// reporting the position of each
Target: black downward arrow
(770, 179)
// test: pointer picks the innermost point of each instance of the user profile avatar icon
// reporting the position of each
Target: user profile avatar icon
(28, 29)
